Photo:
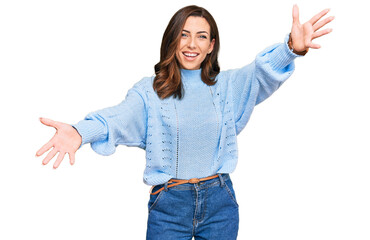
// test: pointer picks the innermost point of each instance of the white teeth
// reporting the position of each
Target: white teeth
(191, 54)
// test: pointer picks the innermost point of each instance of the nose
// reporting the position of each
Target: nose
(192, 43)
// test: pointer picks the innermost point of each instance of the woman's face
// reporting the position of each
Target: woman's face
(195, 43)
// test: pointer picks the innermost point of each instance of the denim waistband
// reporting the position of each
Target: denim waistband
(201, 185)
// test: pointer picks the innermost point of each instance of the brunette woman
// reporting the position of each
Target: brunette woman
(187, 118)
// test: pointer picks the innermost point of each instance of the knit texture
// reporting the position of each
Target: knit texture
(196, 136)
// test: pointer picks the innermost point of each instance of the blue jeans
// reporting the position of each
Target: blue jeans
(206, 210)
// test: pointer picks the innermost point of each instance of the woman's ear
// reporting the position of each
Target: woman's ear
(211, 46)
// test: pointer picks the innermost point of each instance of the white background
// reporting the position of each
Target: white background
(303, 170)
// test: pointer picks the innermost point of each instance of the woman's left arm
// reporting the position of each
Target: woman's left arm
(256, 81)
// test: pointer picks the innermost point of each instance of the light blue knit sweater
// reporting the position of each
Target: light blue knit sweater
(194, 137)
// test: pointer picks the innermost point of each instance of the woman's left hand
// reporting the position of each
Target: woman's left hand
(303, 34)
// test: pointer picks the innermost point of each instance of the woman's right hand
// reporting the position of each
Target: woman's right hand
(65, 140)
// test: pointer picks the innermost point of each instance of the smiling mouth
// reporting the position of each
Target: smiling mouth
(190, 56)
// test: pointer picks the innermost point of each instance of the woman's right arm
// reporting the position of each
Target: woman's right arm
(123, 124)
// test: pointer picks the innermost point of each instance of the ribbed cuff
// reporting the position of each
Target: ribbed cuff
(282, 55)
(90, 131)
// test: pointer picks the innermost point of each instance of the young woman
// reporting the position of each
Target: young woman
(187, 118)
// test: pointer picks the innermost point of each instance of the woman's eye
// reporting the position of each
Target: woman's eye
(184, 35)
(203, 36)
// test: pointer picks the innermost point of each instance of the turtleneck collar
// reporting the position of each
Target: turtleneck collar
(191, 76)
(185, 73)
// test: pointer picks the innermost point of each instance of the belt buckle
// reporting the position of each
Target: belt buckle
(194, 180)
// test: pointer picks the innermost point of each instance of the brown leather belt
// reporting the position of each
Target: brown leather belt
(181, 181)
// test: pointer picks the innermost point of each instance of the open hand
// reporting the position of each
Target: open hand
(65, 140)
(303, 34)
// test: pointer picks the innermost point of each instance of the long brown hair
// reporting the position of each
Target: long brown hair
(167, 81)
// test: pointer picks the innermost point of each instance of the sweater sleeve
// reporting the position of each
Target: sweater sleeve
(255, 82)
(123, 124)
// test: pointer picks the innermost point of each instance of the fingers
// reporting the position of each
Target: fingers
(71, 158)
(313, 45)
(295, 14)
(50, 123)
(44, 148)
(59, 159)
(321, 33)
(50, 155)
(322, 23)
(315, 18)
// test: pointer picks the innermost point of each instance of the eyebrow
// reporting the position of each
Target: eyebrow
(197, 32)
